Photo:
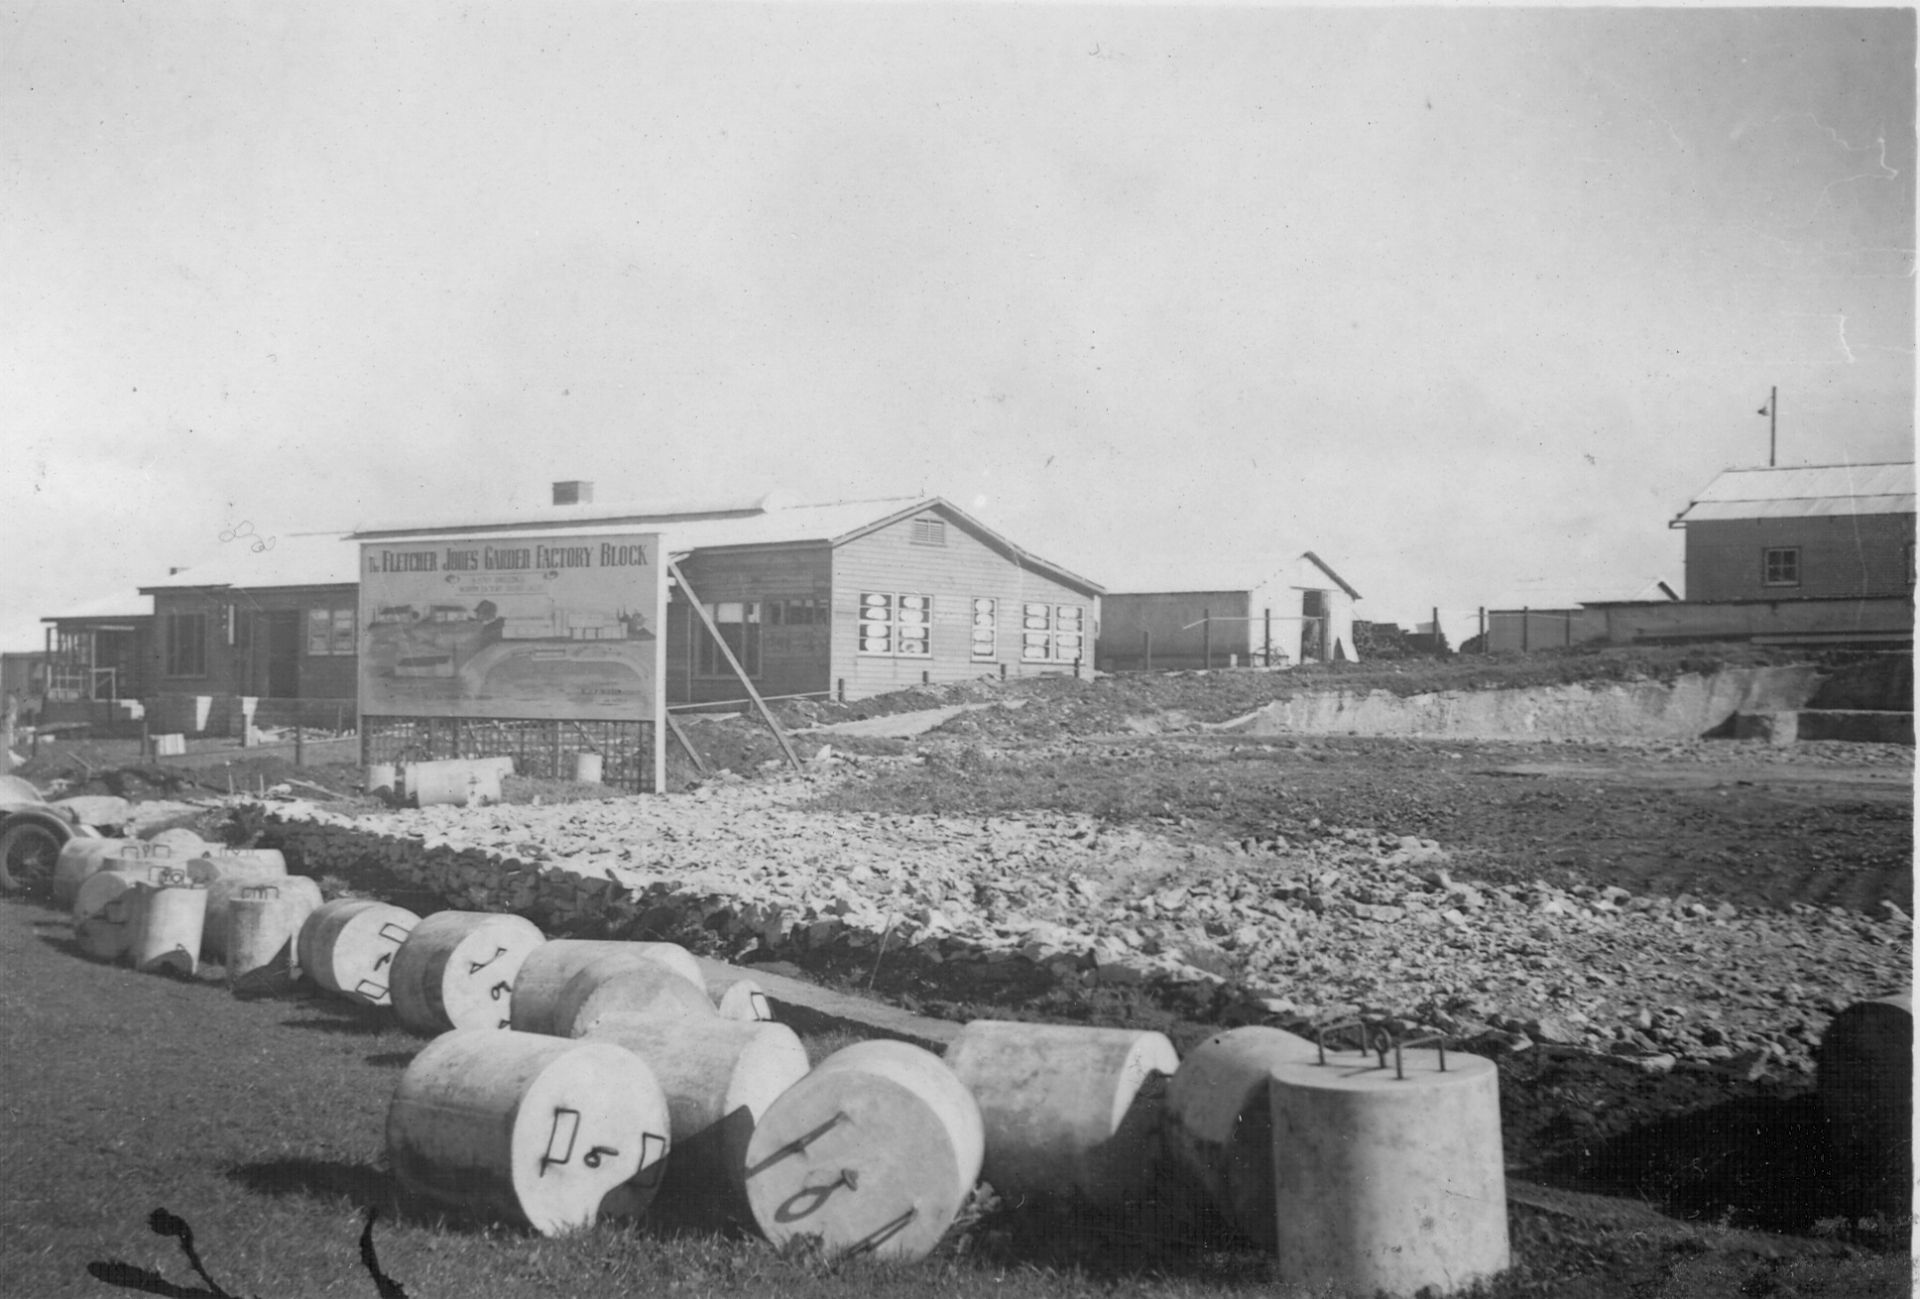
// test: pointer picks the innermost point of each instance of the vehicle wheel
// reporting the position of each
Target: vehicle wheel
(28, 854)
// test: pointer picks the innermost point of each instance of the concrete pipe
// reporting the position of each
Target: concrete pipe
(738, 997)
(1219, 1126)
(179, 842)
(874, 1152)
(457, 970)
(172, 914)
(298, 896)
(719, 1077)
(253, 865)
(1866, 1093)
(79, 858)
(106, 909)
(623, 984)
(347, 947)
(1388, 1178)
(545, 972)
(262, 935)
(1071, 1115)
(460, 781)
(528, 1128)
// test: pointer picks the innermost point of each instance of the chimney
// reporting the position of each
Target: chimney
(573, 492)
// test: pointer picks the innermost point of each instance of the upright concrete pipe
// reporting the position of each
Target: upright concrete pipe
(171, 915)
(457, 970)
(1071, 1115)
(263, 932)
(719, 1077)
(874, 1152)
(1219, 1127)
(622, 984)
(297, 895)
(347, 946)
(1866, 1094)
(529, 1128)
(545, 972)
(1388, 1178)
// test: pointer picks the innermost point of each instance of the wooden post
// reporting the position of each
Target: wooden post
(1146, 636)
(706, 619)
(674, 727)
(1526, 628)
(1206, 637)
(299, 745)
(1486, 645)
(1266, 638)
(9, 715)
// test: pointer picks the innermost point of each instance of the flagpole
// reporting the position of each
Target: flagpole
(1773, 423)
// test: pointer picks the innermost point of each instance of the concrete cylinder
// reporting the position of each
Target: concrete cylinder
(347, 946)
(106, 910)
(1218, 1135)
(263, 931)
(738, 998)
(460, 781)
(457, 970)
(586, 768)
(1866, 1094)
(625, 984)
(545, 972)
(166, 936)
(1388, 1183)
(719, 1077)
(874, 1152)
(382, 778)
(79, 858)
(533, 1129)
(178, 842)
(298, 895)
(253, 865)
(1071, 1115)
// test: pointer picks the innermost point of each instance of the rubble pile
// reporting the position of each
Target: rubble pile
(1342, 921)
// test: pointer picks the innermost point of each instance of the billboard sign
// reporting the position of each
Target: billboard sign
(545, 628)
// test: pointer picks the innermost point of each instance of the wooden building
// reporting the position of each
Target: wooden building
(1815, 532)
(1299, 612)
(99, 654)
(271, 623)
(851, 598)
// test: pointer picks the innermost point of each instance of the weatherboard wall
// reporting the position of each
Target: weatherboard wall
(1840, 555)
(964, 567)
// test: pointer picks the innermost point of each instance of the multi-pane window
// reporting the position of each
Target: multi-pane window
(330, 631)
(1781, 566)
(186, 644)
(1052, 633)
(896, 624)
(929, 532)
(739, 624)
(985, 627)
(796, 613)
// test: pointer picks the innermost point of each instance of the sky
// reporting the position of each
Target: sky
(1470, 301)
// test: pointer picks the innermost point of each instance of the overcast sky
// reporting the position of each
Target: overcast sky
(1469, 301)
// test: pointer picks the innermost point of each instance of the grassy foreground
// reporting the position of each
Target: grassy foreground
(260, 1125)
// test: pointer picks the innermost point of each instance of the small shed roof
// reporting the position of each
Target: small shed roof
(1233, 574)
(1804, 491)
(123, 604)
(296, 559)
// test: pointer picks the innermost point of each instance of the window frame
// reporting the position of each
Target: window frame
(893, 622)
(1050, 630)
(992, 624)
(708, 662)
(178, 662)
(1768, 566)
(927, 530)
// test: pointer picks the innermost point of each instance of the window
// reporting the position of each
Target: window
(929, 532)
(896, 625)
(186, 644)
(1052, 633)
(739, 624)
(330, 631)
(795, 613)
(985, 631)
(1781, 566)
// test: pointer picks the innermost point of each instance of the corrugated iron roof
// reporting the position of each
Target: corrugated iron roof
(126, 604)
(299, 559)
(1234, 574)
(1805, 491)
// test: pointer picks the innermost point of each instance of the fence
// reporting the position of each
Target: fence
(537, 747)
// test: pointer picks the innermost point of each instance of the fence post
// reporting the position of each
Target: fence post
(299, 745)
(1526, 629)
(1486, 645)
(1146, 648)
(1266, 639)
(1206, 637)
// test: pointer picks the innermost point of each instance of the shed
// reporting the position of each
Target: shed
(1299, 610)
(269, 619)
(98, 656)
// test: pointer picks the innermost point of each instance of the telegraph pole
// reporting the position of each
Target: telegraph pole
(1772, 412)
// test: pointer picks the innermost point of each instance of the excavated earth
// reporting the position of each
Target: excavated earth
(1649, 935)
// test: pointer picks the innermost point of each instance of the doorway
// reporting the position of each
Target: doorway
(283, 654)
